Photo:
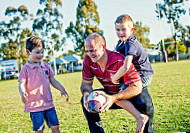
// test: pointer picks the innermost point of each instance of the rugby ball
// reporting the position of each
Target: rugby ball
(95, 101)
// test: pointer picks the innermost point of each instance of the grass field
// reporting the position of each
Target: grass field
(170, 91)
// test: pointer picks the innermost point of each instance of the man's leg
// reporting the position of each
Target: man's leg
(94, 122)
(146, 81)
(143, 102)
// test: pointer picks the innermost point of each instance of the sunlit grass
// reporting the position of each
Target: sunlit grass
(170, 91)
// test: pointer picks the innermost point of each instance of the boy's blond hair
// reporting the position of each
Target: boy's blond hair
(125, 18)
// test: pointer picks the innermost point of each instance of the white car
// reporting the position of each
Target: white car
(9, 75)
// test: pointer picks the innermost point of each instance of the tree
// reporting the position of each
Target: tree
(69, 52)
(13, 32)
(9, 50)
(172, 10)
(26, 33)
(183, 33)
(170, 47)
(48, 24)
(142, 34)
(87, 21)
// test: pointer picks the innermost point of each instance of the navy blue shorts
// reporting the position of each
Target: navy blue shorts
(38, 118)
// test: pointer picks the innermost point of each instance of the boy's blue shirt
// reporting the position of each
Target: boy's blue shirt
(140, 59)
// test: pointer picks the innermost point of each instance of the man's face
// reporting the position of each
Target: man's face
(123, 31)
(94, 50)
(36, 55)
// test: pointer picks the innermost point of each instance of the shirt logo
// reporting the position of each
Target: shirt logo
(46, 72)
(105, 80)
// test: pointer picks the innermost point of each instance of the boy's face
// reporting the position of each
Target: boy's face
(36, 55)
(123, 31)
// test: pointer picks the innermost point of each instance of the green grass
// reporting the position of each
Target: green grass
(170, 91)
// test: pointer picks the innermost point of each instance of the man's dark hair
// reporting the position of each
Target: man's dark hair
(33, 42)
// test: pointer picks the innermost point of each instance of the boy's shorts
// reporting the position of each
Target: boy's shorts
(146, 81)
(38, 118)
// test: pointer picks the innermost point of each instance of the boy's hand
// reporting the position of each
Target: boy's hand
(25, 97)
(63, 92)
(115, 81)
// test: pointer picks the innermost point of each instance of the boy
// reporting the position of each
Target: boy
(34, 87)
(134, 52)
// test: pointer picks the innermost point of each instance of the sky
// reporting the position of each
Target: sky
(109, 10)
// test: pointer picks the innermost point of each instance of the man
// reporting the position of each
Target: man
(103, 63)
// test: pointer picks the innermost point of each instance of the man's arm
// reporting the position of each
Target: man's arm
(58, 86)
(132, 90)
(86, 86)
(123, 69)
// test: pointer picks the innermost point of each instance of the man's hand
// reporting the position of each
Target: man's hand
(63, 92)
(85, 97)
(110, 100)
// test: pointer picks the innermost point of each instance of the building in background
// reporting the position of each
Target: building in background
(8, 69)
(70, 63)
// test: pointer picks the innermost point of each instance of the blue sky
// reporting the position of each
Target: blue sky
(109, 10)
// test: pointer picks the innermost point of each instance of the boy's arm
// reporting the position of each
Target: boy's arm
(123, 69)
(86, 86)
(58, 86)
(22, 91)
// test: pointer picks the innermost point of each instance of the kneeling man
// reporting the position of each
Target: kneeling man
(103, 63)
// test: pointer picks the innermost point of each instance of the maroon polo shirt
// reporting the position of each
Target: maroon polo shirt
(115, 61)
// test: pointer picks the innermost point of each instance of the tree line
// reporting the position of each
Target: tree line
(47, 23)
(172, 10)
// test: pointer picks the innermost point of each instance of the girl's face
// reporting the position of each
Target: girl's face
(36, 55)
(123, 31)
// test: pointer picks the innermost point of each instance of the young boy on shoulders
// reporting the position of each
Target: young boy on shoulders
(134, 53)
(130, 47)
(34, 87)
